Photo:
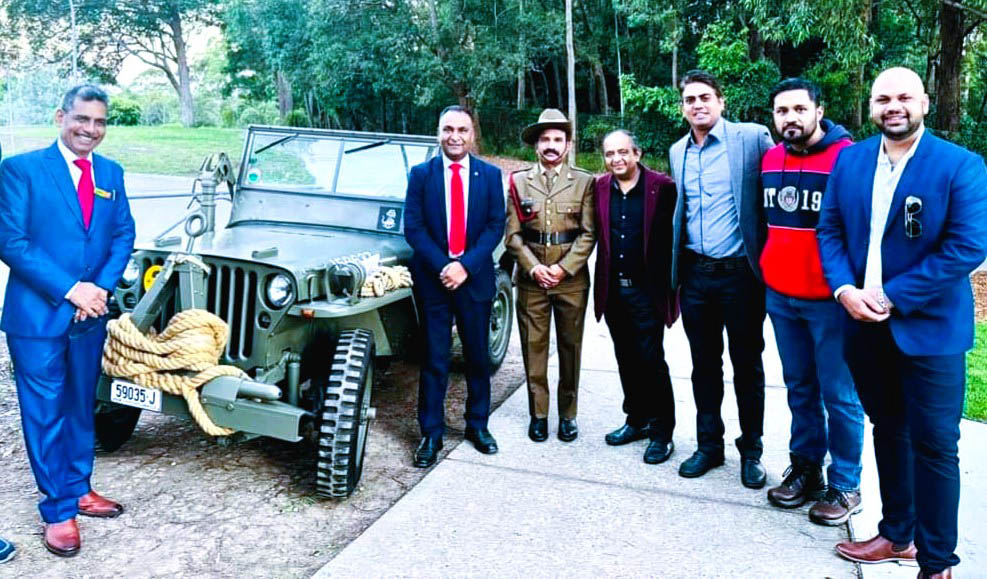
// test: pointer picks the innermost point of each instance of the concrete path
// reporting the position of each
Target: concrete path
(585, 509)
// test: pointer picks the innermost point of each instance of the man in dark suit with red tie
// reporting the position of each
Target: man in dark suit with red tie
(453, 220)
(66, 233)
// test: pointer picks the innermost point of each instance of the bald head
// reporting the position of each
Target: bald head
(898, 103)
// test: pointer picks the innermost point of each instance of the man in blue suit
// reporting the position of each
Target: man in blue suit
(66, 233)
(903, 223)
(453, 220)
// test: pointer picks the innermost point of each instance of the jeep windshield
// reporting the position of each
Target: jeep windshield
(336, 163)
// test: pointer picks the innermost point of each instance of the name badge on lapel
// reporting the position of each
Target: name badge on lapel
(104, 193)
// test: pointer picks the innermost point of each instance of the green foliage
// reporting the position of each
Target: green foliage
(975, 407)
(124, 110)
(746, 85)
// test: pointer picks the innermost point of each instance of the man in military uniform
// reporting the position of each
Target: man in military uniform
(550, 232)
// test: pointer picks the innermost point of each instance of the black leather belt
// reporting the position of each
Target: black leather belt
(553, 238)
(714, 264)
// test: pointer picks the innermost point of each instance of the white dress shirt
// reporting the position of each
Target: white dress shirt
(886, 178)
(76, 174)
(464, 174)
(75, 171)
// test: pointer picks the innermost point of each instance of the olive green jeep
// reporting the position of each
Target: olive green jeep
(314, 214)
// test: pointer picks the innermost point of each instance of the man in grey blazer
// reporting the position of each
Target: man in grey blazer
(718, 232)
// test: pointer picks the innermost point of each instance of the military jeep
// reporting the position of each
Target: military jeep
(312, 212)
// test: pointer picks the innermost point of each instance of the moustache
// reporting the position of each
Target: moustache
(549, 152)
(792, 126)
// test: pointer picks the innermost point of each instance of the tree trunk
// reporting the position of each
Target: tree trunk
(571, 80)
(185, 100)
(604, 94)
(520, 90)
(755, 44)
(558, 85)
(675, 65)
(593, 94)
(286, 102)
(948, 114)
(532, 87)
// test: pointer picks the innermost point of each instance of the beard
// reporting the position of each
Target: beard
(798, 135)
(900, 132)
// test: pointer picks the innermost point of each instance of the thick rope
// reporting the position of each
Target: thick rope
(192, 341)
(385, 279)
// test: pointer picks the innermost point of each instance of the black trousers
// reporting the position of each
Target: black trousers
(718, 294)
(915, 404)
(638, 332)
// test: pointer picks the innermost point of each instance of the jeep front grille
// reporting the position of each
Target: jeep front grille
(232, 295)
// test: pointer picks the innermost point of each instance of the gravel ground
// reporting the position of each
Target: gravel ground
(197, 509)
(979, 281)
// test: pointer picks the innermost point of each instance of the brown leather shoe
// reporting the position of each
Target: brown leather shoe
(876, 550)
(94, 505)
(63, 538)
(946, 573)
(803, 482)
(835, 507)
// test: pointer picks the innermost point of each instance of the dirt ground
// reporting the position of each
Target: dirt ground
(197, 509)
(979, 281)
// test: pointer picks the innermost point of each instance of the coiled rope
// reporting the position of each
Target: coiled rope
(385, 279)
(178, 361)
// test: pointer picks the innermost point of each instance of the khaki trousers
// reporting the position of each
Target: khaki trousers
(534, 316)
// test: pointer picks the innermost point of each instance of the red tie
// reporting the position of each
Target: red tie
(457, 225)
(85, 189)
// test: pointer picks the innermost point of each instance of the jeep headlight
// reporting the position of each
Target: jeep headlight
(279, 291)
(131, 273)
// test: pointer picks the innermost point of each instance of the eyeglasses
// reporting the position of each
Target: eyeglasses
(913, 227)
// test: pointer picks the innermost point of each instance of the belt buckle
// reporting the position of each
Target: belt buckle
(623, 282)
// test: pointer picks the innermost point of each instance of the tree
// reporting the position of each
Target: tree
(157, 33)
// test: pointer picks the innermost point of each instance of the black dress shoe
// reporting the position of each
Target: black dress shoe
(752, 473)
(626, 434)
(658, 451)
(568, 431)
(482, 440)
(699, 464)
(428, 452)
(538, 429)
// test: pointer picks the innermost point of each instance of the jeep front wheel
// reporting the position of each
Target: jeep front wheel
(345, 415)
(113, 425)
(501, 319)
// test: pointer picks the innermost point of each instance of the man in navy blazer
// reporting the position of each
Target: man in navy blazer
(453, 220)
(903, 223)
(66, 233)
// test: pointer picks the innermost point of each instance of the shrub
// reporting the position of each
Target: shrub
(124, 111)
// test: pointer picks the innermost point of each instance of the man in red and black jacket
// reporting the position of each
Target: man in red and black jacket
(808, 322)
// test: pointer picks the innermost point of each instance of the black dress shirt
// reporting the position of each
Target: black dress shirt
(627, 232)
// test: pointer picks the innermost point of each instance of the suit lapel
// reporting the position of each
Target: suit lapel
(735, 156)
(905, 187)
(535, 181)
(101, 205)
(603, 209)
(438, 189)
(60, 175)
(477, 195)
(650, 203)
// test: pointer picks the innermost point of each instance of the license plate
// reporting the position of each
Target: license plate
(130, 394)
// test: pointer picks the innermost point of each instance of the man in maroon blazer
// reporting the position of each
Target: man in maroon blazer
(634, 207)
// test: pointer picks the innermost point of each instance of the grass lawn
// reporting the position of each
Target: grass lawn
(976, 377)
(164, 150)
